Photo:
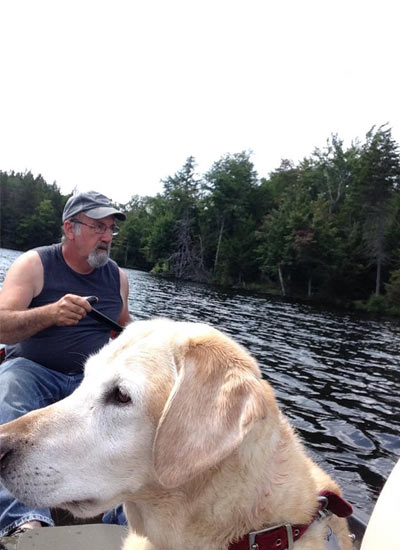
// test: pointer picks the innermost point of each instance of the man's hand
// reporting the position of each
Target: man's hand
(69, 310)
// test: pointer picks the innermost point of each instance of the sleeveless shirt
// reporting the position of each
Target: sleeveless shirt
(66, 348)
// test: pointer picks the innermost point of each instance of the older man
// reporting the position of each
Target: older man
(44, 322)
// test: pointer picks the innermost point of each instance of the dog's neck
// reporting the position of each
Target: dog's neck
(221, 504)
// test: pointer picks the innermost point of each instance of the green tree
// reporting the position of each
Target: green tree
(379, 181)
(233, 212)
(42, 223)
(129, 246)
(24, 199)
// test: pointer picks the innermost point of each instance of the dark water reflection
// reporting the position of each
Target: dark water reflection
(336, 375)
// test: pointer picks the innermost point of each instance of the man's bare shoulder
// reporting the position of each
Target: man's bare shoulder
(31, 257)
(27, 264)
(25, 277)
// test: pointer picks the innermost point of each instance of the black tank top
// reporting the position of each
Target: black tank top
(66, 349)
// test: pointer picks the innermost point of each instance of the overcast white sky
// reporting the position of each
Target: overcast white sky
(114, 95)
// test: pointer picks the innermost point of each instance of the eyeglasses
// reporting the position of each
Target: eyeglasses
(100, 228)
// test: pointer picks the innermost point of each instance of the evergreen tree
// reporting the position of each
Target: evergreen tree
(129, 247)
(379, 181)
(30, 211)
(233, 212)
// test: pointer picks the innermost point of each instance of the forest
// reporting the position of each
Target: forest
(324, 229)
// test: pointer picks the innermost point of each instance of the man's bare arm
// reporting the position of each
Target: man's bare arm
(23, 282)
(16, 326)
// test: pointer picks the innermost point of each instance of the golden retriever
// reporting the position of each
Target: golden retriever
(174, 420)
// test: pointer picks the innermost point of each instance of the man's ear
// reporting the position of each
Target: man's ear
(69, 229)
(218, 397)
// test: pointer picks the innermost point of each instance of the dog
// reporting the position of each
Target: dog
(174, 420)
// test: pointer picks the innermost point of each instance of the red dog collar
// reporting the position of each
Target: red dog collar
(283, 536)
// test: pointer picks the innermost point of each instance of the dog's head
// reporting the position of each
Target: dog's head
(162, 403)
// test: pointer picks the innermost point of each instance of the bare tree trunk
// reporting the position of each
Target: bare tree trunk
(281, 280)
(187, 260)
(126, 252)
(201, 256)
(218, 244)
(379, 252)
(378, 276)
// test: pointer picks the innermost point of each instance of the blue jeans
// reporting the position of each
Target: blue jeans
(26, 386)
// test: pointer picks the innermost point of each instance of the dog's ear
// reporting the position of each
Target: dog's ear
(218, 396)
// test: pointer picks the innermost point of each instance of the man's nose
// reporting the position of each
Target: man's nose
(107, 236)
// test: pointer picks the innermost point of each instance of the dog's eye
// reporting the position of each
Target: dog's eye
(121, 396)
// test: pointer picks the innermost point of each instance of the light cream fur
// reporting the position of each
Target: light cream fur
(200, 454)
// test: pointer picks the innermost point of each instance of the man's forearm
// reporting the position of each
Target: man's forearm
(16, 326)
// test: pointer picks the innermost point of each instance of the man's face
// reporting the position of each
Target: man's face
(95, 238)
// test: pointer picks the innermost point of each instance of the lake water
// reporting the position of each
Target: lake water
(336, 375)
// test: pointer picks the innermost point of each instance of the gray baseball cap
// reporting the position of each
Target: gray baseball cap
(92, 204)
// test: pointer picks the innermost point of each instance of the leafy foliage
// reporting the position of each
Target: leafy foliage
(327, 228)
(30, 211)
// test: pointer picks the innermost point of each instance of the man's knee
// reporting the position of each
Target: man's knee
(19, 391)
(14, 378)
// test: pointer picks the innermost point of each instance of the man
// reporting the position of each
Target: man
(44, 322)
